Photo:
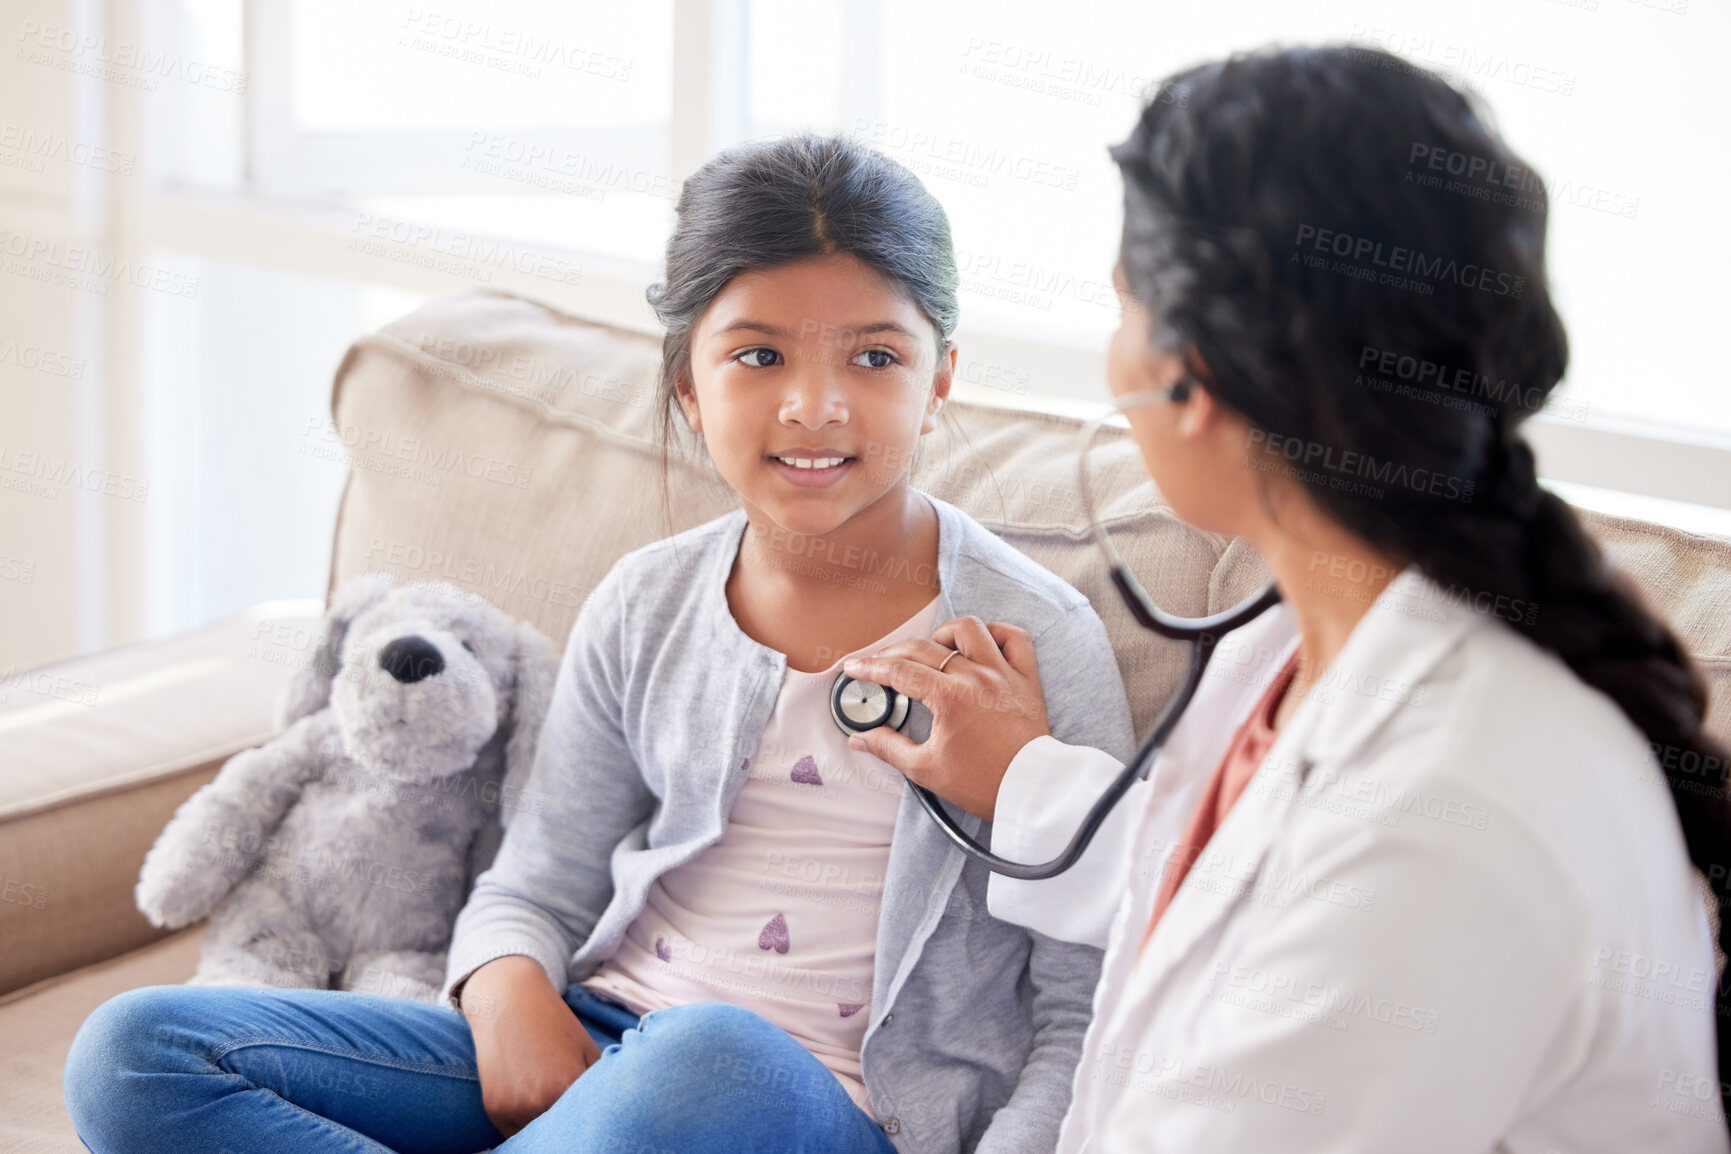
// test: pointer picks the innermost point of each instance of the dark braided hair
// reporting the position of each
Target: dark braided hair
(1347, 252)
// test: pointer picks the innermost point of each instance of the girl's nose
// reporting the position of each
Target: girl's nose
(814, 398)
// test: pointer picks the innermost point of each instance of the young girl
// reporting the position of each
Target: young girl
(721, 928)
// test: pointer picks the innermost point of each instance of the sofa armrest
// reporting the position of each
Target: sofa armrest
(96, 754)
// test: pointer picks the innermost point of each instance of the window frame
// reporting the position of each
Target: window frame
(295, 164)
(710, 109)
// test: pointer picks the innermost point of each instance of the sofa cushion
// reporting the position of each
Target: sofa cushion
(1686, 579)
(510, 448)
(39, 1023)
(99, 751)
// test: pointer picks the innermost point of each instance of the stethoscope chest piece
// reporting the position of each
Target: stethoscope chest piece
(861, 705)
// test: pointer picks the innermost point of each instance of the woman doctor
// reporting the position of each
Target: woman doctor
(1408, 876)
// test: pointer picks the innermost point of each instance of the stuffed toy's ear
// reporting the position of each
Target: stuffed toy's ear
(537, 669)
(309, 690)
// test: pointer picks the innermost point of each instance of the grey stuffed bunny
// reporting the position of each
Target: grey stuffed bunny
(338, 855)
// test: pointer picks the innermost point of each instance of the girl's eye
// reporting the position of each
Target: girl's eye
(759, 358)
(876, 358)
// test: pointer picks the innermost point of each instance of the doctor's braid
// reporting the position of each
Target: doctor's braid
(1235, 167)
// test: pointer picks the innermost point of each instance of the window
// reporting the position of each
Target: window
(529, 119)
(562, 127)
(339, 161)
(1006, 108)
(553, 123)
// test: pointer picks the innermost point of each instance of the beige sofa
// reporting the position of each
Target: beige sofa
(508, 448)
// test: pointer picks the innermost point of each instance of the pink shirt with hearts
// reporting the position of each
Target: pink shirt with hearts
(780, 915)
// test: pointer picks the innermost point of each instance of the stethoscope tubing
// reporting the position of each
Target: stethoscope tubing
(1203, 634)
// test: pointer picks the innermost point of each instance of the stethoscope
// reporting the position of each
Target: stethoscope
(858, 705)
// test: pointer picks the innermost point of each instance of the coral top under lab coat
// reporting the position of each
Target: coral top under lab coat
(1452, 912)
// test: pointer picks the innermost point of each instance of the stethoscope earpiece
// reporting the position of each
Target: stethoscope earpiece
(858, 705)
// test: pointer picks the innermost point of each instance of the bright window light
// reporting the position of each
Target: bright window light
(1006, 109)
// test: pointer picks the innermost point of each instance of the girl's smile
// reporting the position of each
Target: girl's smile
(812, 468)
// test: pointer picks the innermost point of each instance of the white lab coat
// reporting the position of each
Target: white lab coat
(1451, 912)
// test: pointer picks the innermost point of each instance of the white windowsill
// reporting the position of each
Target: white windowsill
(1673, 477)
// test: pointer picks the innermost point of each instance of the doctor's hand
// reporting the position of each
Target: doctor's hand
(986, 704)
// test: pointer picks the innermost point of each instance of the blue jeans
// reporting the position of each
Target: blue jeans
(221, 1070)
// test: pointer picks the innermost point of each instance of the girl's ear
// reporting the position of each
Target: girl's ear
(687, 396)
(942, 379)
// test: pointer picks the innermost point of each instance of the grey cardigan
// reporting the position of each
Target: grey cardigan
(660, 703)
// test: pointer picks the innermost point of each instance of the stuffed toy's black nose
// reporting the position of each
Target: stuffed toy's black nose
(410, 659)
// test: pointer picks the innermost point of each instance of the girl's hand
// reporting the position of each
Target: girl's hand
(529, 1046)
(986, 705)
